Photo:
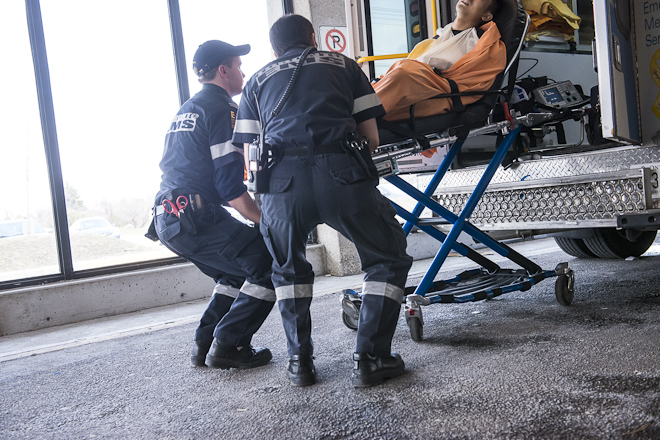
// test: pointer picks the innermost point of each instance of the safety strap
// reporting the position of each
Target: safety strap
(511, 81)
(456, 100)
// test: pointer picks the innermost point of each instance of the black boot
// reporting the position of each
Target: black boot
(227, 356)
(301, 371)
(199, 351)
(371, 370)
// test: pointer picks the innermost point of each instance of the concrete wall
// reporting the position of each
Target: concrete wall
(326, 13)
(67, 302)
(37, 307)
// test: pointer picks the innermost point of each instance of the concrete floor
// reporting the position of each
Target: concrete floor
(519, 366)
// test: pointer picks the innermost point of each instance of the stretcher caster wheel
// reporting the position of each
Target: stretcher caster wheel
(349, 321)
(350, 306)
(564, 289)
(416, 329)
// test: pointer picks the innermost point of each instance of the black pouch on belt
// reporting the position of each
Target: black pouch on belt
(211, 215)
(187, 221)
(359, 148)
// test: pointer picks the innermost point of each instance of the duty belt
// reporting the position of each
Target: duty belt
(194, 199)
(321, 149)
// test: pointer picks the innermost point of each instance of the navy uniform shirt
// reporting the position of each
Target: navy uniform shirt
(199, 155)
(330, 97)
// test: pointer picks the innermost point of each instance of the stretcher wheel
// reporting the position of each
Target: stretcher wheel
(416, 329)
(350, 307)
(564, 289)
(349, 321)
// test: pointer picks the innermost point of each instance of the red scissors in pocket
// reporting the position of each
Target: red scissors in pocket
(171, 208)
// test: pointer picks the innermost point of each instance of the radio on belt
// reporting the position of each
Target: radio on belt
(558, 95)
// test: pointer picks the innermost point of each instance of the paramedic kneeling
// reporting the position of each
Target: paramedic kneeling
(321, 178)
(202, 167)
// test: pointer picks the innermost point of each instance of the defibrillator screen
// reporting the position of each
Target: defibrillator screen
(552, 96)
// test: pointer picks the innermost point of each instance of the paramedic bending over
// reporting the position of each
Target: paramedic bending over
(467, 51)
(318, 181)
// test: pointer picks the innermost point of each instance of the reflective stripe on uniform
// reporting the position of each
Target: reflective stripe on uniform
(294, 291)
(247, 126)
(259, 292)
(383, 289)
(221, 289)
(365, 102)
(219, 150)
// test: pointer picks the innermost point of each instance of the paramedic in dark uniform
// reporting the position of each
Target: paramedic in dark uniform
(201, 163)
(319, 178)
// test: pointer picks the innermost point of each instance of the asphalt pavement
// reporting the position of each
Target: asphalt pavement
(520, 366)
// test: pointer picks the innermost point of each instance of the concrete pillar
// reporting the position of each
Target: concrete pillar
(340, 254)
(327, 13)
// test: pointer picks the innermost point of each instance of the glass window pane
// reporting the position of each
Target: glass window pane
(244, 22)
(586, 31)
(396, 28)
(114, 93)
(27, 242)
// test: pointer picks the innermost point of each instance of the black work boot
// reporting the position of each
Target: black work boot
(199, 351)
(227, 356)
(371, 370)
(301, 371)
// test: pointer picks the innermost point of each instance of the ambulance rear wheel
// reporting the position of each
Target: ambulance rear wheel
(574, 247)
(613, 243)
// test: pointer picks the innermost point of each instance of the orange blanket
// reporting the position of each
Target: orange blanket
(410, 82)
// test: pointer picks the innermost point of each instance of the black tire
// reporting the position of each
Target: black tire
(416, 329)
(349, 321)
(563, 293)
(612, 243)
(574, 247)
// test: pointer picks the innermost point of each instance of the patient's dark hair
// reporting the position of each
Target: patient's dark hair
(290, 31)
(495, 7)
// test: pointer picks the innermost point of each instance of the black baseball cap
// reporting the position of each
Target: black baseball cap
(209, 55)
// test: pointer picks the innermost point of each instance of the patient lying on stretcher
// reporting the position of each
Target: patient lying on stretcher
(468, 51)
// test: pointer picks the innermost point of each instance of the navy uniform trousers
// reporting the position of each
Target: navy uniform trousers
(235, 256)
(335, 189)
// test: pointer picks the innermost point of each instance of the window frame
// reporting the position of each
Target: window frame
(51, 146)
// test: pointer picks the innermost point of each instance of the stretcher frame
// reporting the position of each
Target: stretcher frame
(486, 282)
(489, 280)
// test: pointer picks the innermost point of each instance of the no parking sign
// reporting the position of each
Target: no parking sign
(333, 38)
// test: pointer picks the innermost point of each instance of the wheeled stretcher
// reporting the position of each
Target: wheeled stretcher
(399, 140)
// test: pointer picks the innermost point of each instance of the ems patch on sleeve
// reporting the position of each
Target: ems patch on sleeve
(183, 122)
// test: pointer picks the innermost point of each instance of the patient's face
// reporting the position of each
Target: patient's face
(473, 11)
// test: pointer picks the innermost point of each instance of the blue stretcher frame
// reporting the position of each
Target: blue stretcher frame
(486, 282)
(460, 224)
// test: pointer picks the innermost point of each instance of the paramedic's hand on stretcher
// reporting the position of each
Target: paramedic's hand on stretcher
(369, 129)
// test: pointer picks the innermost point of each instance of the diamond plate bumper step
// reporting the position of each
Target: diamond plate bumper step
(592, 200)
